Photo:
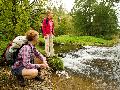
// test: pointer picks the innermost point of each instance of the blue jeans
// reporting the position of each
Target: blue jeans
(17, 71)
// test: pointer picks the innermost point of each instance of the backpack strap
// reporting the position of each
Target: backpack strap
(15, 55)
(32, 58)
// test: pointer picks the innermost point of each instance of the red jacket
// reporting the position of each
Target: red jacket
(46, 27)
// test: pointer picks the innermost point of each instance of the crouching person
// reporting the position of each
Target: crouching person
(24, 66)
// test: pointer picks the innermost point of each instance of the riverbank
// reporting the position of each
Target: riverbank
(81, 40)
(66, 41)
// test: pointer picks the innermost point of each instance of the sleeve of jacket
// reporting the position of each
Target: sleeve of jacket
(44, 27)
(38, 54)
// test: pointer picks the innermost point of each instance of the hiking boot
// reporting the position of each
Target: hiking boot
(38, 78)
(22, 84)
(21, 81)
(39, 69)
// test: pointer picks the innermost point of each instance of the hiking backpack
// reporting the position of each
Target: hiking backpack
(10, 54)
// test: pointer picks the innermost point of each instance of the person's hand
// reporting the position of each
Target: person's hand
(45, 61)
(45, 37)
(44, 65)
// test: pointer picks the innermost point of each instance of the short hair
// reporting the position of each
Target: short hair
(30, 35)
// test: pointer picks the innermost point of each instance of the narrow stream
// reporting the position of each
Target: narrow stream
(90, 68)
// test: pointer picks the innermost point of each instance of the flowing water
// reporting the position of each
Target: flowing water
(90, 68)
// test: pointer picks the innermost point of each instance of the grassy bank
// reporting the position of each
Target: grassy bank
(81, 40)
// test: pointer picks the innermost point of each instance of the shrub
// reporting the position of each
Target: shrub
(55, 63)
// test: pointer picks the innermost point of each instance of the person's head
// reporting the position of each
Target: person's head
(49, 14)
(32, 36)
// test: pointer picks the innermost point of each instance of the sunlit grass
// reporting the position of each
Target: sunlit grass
(82, 40)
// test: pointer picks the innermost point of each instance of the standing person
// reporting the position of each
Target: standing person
(24, 66)
(48, 33)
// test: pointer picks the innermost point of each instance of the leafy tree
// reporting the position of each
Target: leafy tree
(14, 17)
(93, 18)
(63, 21)
(37, 14)
(104, 20)
(82, 16)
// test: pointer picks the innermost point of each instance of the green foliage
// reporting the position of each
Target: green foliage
(104, 21)
(63, 22)
(82, 16)
(82, 40)
(55, 63)
(41, 49)
(14, 18)
(94, 19)
(37, 15)
(3, 45)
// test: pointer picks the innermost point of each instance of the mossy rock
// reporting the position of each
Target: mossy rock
(55, 63)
